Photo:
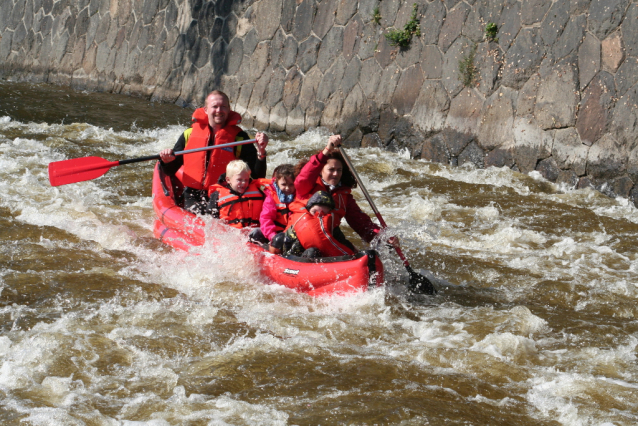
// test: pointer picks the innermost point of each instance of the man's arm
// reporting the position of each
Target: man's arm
(172, 167)
(249, 155)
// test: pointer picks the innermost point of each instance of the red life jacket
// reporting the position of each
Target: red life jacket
(283, 212)
(200, 169)
(339, 195)
(316, 231)
(241, 210)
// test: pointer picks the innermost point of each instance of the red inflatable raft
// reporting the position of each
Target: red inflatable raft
(324, 276)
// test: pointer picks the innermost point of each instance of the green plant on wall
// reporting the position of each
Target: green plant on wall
(467, 69)
(403, 37)
(376, 16)
(490, 32)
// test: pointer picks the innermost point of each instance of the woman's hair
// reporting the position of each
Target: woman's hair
(347, 178)
(284, 171)
(235, 167)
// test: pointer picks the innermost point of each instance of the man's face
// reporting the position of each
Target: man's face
(217, 110)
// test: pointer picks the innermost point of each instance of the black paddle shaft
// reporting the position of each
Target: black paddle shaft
(418, 282)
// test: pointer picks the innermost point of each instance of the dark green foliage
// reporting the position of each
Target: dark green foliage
(376, 16)
(490, 32)
(403, 37)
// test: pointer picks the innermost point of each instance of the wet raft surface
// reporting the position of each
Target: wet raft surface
(101, 322)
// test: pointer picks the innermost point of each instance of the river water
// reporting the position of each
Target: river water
(103, 325)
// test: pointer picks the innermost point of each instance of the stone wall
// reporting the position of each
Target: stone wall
(554, 91)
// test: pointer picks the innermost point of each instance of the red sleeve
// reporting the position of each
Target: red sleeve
(359, 221)
(305, 182)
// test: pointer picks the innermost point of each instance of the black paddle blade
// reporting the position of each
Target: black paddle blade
(419, 283)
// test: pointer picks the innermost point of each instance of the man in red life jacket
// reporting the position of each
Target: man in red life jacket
(215, 124)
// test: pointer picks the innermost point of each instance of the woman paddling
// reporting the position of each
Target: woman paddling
(327, 171)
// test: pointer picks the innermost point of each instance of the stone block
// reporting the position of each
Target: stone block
(607, 158)
(351, 75)
(568, 178)
(5, 45)
(435, 150)
(554, 22)
(345, 10)
(569, 152)
(530, 144)
(331, 80)
(387, 123)
(324, 18)
(497, 120)
(331, 48)
(489, 59)
(351, 37)
(431, 107)
(368, 42)
(432, 21)
(629, 29)
(595, 108)
(406, 58)
(509, 24)
(251, 40)
(384, 53)
(275, 89)
(266, 18)
(460, 50)
(292, 88)
(533, 11)
(624, 118)
(388, 10)
(627, 75)
(372, 72)
(588, 60)
(354, 139)
(472, 154)
(278, 117)
(558, 96)
(262, 118)
(288, 14)
(523, 59)
(613, 53)
(389, 81)
(277, 47)
(372, 140)
(353, 106)
(431, 62)
(295, 122)
(307, 54)
(331, 116)
(200, 54)
(548, 169)
(309, 88)
(605, 16)
(465, 112)
(452, 26)
(404, 95)
(499, 157)
(313, 115)
(230, 28)
(302, 23)
(622, 186)
(571, 38)
(474, 26)
(234, 56)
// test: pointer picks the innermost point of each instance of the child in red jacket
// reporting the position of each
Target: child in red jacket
(275, 212)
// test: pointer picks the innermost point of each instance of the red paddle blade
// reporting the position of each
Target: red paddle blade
(78, 170)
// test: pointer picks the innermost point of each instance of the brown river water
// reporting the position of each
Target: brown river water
(535, 322)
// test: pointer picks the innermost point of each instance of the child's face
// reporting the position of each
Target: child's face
(319, 210)
(239, 182)
(286, 184)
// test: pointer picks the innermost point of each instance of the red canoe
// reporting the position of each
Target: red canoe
(324, 276)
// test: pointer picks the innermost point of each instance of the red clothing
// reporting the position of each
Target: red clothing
(239, 210)
(309, 181)
(316, 232)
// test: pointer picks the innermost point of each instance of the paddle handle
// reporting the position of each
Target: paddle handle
(374, 207)
(188, 151)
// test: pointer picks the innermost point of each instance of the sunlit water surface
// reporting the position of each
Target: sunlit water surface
(103, 325)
